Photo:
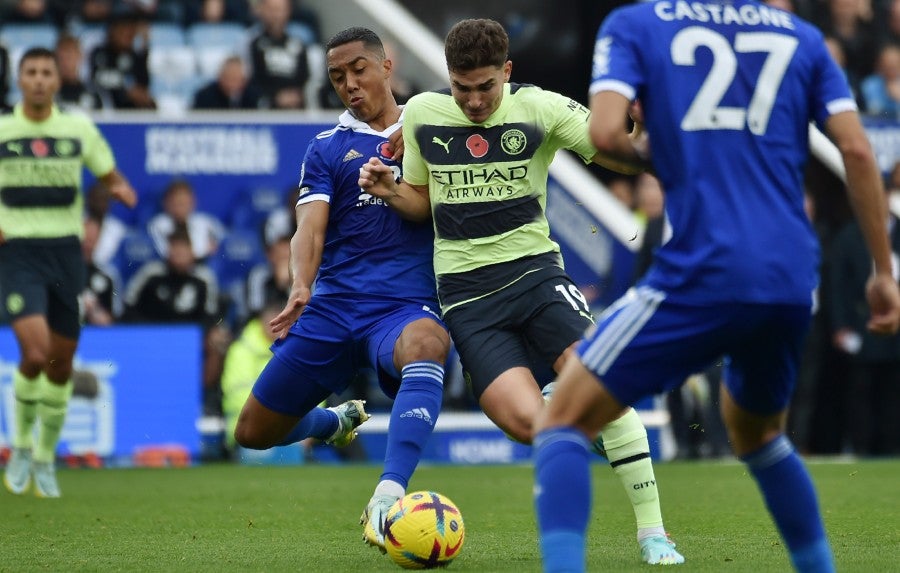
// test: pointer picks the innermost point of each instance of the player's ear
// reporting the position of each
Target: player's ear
(388, 67)
(507, 70)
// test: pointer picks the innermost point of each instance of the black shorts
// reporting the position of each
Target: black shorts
(529, 323)
(43, 276)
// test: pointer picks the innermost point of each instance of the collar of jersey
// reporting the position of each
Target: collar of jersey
(347, 120)
(19, 112)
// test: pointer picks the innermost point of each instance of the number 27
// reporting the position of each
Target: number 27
(705, 112)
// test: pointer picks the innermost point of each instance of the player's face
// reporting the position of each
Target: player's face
(38, 81)
(361, 78)
(478, 92)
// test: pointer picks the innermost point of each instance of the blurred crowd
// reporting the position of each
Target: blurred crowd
(189, 266)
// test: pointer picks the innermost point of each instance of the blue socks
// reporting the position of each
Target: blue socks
(562, 497)
(319, 423)
(413, 416)
(791, 500)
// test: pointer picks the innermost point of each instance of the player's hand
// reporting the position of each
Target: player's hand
(396, 141)
(377, 179)
(297, 301)
(639, 138)
(124, 192)
(883, 295)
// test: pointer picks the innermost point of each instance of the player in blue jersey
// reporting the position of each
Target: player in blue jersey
(375, 302)
(727, 90)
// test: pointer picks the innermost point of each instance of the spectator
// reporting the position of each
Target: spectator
(279, 61)
(881, 90)
(172, 11)
(245, 359)
(27, 12)
(74, 93)
(844, 21)
(218, 11)
(180, 210)
(176, 290)
(873, 392)
(119, 69)
(101, 300)
(230, 90)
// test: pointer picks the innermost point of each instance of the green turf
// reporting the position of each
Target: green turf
(227, 518)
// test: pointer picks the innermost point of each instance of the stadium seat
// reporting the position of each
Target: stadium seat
(239, 252)
(24, 36)
(166, 34)
(254, 206)
(135, 250)
(209, 60)
(173, 78)
(302, 31)
(223, 34)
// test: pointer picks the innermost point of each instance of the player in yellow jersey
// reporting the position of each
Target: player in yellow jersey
(476, 161)
(42, 273)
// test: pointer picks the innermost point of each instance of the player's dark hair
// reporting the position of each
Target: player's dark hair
(36, 53)
(476, 43)
(357, 34)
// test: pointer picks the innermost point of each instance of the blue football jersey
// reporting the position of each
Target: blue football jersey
(728, 90)
(369, 251)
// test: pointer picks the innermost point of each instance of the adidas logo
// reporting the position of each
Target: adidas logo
(418, 413)
(352, 154)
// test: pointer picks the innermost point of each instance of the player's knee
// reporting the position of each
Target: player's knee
(246, 436)
(430, 346)
(33, 361)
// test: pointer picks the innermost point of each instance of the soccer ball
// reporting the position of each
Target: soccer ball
(423, 530)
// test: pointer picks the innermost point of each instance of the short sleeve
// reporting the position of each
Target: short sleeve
(315, 179)
(98, 156)
(415, 170)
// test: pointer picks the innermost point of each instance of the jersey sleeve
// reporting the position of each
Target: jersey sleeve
(98, 156)
(415, 170)
(831, 93)
(615, 65)
(568, 126)
(316, 183)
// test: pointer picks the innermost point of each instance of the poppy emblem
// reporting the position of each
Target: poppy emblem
(39, 148)
(477, 145)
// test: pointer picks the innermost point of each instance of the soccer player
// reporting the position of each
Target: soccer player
(727, 91)
(42, 272)
(375, 301)
(476, 162)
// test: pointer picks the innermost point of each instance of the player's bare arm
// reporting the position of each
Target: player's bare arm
(865, 190)
(119, 188)
(306, 256)
(639, 141)
(410, 201)
(609, 133)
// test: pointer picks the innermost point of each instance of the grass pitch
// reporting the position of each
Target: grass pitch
(227, 518)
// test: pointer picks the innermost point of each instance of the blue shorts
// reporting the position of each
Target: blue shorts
(328, 345)
(645, 345)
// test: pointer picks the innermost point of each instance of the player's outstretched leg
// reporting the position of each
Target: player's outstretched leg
(413, 416)
(628, 452)
(351, 414)
(624, 443)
